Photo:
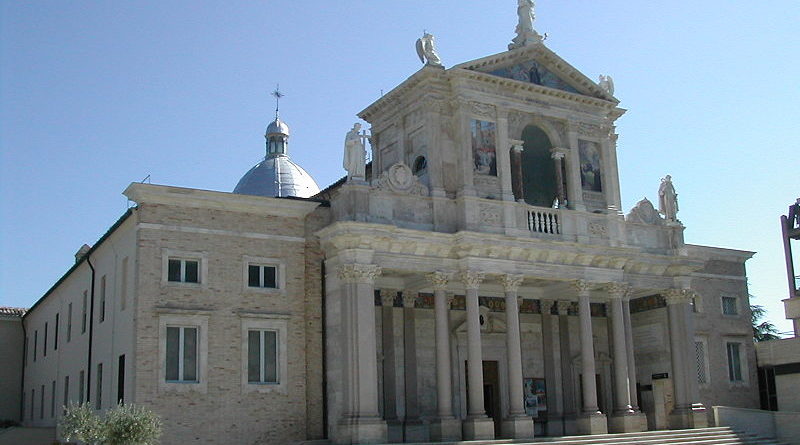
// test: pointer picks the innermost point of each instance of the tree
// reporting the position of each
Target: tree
(121, 425)
(764, 330)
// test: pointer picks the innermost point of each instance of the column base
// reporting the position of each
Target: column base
(694, 416)
(362, 430)
(415, 431)
(592, 423)
(517, 427)
(555, 426)
(477, 428)
(627, 422)
(446, 430)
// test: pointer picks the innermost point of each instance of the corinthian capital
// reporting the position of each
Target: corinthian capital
(472, 279)
(409, 298)
(617, 290)
(387, 297)
(438, 279)
(359, 273)
(511, 283)
(563, 306)
(678, 296)
(582, 286)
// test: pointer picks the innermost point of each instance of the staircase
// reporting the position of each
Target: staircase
(699, 436)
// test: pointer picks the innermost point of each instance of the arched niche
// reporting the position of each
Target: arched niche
(538, 170)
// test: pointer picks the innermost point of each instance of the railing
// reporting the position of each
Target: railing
(542, 220)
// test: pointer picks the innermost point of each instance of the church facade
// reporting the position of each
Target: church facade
(478, 279)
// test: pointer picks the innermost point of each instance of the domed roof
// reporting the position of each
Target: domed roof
(277, 176)
(277, 127)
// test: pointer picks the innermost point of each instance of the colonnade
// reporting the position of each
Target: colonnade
(361, 373)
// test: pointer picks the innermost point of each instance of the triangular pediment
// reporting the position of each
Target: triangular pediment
(536, 64)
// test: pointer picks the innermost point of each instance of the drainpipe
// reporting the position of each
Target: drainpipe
(91, 332)
(24, 369)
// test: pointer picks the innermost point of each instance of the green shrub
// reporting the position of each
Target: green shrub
(121, 425)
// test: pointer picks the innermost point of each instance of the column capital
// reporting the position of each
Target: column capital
(563, 306)
(511, 283)
(516, 144)
(439, 279)
(450, 298)
(409, 298)
(617, 290)
(359, 273)
(557, 153)
(678, 296)
(582, 286)
(546, 306)
(387, 296)
(472, 279)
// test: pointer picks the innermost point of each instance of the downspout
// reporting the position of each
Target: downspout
(24, 369)
(91, 332)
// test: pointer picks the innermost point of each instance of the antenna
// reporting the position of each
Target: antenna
(277, 95)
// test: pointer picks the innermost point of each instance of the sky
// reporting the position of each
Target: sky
(96, 95)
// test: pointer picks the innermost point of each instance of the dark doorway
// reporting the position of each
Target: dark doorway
(121, 379)
(538, 168)
(491, 392)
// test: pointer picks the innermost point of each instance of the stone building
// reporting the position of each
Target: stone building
(477, 279)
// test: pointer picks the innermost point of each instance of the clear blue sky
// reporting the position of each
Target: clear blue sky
(95, 95)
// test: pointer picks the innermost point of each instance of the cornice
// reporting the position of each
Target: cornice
(398, 93)
(206, 199)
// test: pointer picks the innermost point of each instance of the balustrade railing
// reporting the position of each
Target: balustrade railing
(543, 220)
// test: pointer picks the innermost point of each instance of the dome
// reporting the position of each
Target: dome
(277, 177)
(277, 127)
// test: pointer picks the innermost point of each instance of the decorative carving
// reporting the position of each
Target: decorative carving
(409, 298)
(678, 296)
(582, 286)
(561, 128)
(388, 296)
(359, 273)
(563, 306)
(516, 121)
(668, 200)
(644, 213)
(482, 110)
(598, 229)
(511, 283)
(426, 50)
(489, 215)
(617, 290)
(587, 129)
(399, 179)
(439, 279)
(471, 278)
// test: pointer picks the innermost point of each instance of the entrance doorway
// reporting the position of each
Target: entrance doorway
(491, 392)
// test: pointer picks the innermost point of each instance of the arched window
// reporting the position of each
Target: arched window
(538, 169)
(420, 166)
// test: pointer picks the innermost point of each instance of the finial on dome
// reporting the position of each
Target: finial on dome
(526, 35)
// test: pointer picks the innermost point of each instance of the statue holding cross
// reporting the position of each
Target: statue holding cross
(355, 153)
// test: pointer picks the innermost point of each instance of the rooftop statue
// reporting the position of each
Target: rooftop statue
(607, 84)
(426, 50)
(668, 200)
(355, 154)
(526, 35)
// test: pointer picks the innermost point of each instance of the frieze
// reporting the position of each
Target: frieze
(483, 110)
(598, 229)
(590, 130)
(400, 179)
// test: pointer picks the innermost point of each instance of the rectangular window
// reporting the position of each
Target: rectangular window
(262, 356)
(121, 379)
(729, 306)
(83, 312)
(98, 403)
(69, 323)
(66, 391)
(44, 343)
(181, 354)
(123, 287)
(81, 387)
(41, 403)
(262, 276)
(35, 343)
(700, 358)
(183, 270)
(102, 299)
(53, 399)
(55, 334)
(734, 362)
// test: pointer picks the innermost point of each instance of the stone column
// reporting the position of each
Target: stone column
(517, 425)
(446, 427)
(686, 414)
(632, 379)
(561, 194)
(517, 185)
(413, 429)
(389, 355)
(567, 382)
(591, 420)
(477, 426)
(575, 191)
(555, 406)
(503, 156)
(624, 419)
(361, 422)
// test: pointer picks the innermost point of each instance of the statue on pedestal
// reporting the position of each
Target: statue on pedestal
(526, 35)
(607, 84)
(668, 200)
(426, 50)
(355, 154)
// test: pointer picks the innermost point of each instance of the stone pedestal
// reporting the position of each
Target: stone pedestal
(694, 417)
(362, 430)
(477, 428)
(517, 428)
(592, 423)
(445, 430)
(415, 431)
(631, 422)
